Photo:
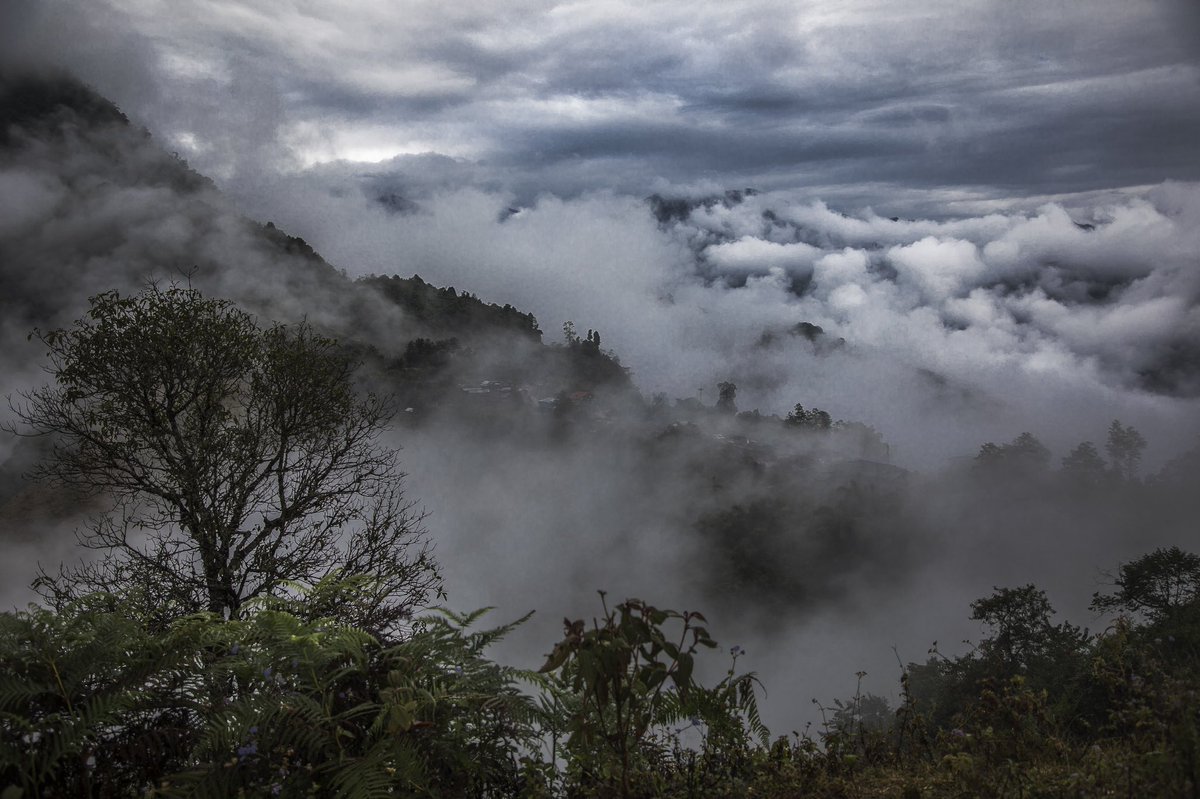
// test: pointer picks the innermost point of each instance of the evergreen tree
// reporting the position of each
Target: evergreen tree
(1124, 448)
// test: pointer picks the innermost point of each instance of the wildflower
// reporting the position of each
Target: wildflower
(254, 730)
(736, 650)
(233, 650)
(246, 750)
(268, 671)
(695, 721)
(90, 762)
(276, 788)
(958, 733)
(458, 670)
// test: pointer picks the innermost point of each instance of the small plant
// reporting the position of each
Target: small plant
(627, 676)
(94, 702)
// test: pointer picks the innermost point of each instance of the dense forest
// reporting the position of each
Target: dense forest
(255, 608)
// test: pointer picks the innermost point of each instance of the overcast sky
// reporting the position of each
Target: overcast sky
(861, 99)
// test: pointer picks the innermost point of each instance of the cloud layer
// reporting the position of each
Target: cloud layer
(1055, 319)
(991, 99)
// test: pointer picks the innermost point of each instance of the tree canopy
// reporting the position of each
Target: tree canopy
(1158, 584)
(1124, 447)
(237, 458)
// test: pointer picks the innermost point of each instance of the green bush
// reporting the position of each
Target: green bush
(94, 703)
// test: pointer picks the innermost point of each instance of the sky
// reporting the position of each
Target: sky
(859, 101)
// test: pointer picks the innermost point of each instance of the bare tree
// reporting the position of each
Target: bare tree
(240, 461)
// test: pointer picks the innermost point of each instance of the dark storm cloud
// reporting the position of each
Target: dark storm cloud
(1011, 98)
(688, 150)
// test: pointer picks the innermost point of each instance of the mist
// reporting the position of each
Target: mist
(1057, 319)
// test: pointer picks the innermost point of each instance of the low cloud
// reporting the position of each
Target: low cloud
(750, 255)
(1062, 316)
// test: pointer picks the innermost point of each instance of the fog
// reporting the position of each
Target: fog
(1057, 319)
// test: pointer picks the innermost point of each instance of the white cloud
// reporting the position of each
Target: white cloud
(941, 269)
(912, 296)
(835, 269)
(754, 255)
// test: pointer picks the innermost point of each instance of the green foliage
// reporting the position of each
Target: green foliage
(1161, 584)
(860, 729)
(1124, 447)
(809, 419)
(1024, 643)
(586, 365)
(862, 440)
(93, 702)
(445, 310)
(236, 458)
(726, 397)
(800, 548)
(854, 439)
(1022, 633)
(73, 711)
(1080, 716)
(96, 702)
(1154, 717)
(1025, 455)
(294, 246)
(625, 679)
(628, 675)
(424, 354)
(1084, 466)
